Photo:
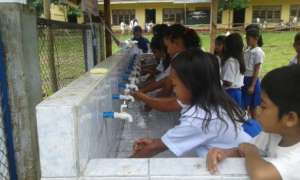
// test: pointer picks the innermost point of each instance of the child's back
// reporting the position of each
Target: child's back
(192, 132)
(252, 57)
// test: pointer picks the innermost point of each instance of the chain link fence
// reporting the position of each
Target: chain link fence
(4, 173)
(68, 53)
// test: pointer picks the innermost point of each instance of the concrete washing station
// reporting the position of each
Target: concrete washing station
(78, 141)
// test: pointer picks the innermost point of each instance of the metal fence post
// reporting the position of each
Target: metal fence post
(50, 45)
(8, 130)
(102, 42)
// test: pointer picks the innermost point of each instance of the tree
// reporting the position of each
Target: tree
(38, 5)
(72, 12)
(231, 5)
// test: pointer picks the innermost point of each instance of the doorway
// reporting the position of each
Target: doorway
(150, 16)
(238, 17)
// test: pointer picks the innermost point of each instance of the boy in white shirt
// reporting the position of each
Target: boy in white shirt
(233, 66)
(280, 116)
(296, 59)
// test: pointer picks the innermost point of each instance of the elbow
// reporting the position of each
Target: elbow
(258, 175)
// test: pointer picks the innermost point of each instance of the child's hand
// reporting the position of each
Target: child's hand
(137, 94)
(214, 156)
(143, 148)
(147, 108)
(246, 147)
(251, 90)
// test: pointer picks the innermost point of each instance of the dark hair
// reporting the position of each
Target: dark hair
(282, 86)
(297, 37)
(188, 36)
(192, 40)
(158, 44)
(159, 30)
(220, 39)
(137, 29)
(198, 73)
(255, 27)
(234, 47)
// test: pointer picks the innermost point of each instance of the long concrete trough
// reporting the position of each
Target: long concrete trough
(77, 143)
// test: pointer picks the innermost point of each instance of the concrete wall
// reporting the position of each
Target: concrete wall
(18, 28)
(71, 129)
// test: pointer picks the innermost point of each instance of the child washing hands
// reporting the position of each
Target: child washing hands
(209, 118)
(279, 115)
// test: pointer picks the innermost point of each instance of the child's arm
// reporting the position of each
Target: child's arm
(145, 148)
(167, 88)
(257, 167)
(227, 83)
(254, 79)
(153, 86)
(216, 155)
(160, 104)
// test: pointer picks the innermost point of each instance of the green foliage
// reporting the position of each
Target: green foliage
(232, 4)
(74, 12)
(38, 6)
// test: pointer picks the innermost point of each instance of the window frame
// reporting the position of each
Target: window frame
(125, 15)
(269, 13)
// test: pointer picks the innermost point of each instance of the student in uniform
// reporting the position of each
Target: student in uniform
(279, 116)
(219, 46)
(254, 57)
(161, 56)
(296, 59)
(209, 117)
(178, 38)
(143, 43)
(219, 49)
(233, 67)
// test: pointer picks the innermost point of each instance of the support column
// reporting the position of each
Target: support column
(18, 28)
(213, 24)
(108, 39)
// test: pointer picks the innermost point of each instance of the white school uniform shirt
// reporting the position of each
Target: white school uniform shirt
(252, 57)
(163, 74)
(189, 135)
(231, 73)
(167, 71)
(160, 66)
(285, 159)
(294, 61)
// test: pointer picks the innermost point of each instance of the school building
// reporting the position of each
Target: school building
(197, 12)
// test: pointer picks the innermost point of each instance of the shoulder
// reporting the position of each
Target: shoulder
(194, 112)
(230, 60)
(293, 61)
(258, 50)
(145, 39)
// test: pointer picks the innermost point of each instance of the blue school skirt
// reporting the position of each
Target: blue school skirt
(235, 94)
(253, 100)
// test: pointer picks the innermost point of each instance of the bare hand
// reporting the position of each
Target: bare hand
(143, 148)
(214, 156)
(251, 90)
(137, 94)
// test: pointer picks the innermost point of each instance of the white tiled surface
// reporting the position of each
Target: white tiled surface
(117, 167)
(163, 169)
(56, 135)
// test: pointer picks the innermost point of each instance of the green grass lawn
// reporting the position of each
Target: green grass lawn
(70, 58)
(278, 48)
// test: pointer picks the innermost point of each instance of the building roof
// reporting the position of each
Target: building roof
(155, 1)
